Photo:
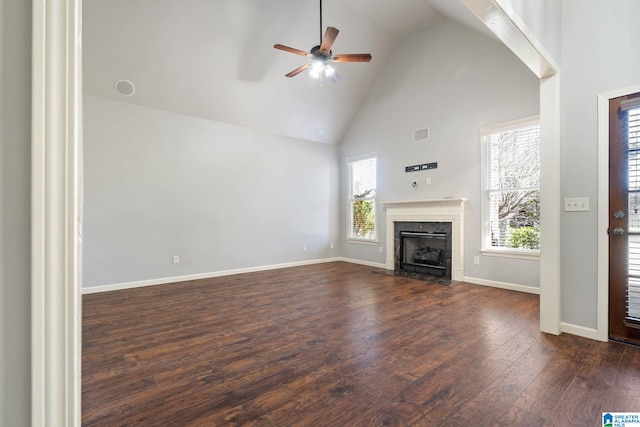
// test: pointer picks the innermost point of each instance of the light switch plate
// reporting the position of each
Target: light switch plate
(576, 204)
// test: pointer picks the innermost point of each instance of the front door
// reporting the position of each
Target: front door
(624, 219)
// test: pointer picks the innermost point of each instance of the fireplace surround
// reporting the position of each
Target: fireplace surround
(449, 212)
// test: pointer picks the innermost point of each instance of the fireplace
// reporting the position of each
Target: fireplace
(429, 226)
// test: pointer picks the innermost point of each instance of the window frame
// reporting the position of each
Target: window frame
(485, 247)
(350, 199)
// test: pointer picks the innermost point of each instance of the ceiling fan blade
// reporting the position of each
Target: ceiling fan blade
(298, 70)
(291, 49)
(328, 39)
(352, 57)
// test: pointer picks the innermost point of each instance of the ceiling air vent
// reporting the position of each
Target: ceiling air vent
(421, 135)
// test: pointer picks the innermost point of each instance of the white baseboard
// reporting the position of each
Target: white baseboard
(580, 331)
(360, 262)
(163, 281)
(166, 280)
(503, 285)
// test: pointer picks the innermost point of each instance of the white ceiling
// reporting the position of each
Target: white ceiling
(215, 58)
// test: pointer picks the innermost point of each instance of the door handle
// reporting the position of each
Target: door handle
(618, 231)
(618, 214)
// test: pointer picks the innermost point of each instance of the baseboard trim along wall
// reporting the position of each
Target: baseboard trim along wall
(503, 285)
(175, 279)
(366, 263)
(580, 331)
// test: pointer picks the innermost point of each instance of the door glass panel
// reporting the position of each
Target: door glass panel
(633, 159)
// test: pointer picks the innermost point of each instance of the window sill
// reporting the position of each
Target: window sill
(512, 253)
(362, 241)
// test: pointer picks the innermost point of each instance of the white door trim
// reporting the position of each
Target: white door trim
(550, 206)
(56, 213)
(603, 208)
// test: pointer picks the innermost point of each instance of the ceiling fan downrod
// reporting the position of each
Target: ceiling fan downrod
(320, 21)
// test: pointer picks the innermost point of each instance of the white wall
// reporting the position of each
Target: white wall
(220, 196)
(600, 45)
(454, 81)
(542, 18)
(15, 220)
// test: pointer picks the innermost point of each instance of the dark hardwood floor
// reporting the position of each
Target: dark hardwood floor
(340, 345)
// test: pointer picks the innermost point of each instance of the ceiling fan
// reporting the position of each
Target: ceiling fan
(322, 55)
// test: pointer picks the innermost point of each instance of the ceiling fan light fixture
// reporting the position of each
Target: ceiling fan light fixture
(329, 70)
(316, 69)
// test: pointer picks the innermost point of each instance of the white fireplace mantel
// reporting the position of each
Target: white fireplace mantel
(434, 210)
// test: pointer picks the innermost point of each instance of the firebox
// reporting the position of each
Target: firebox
(423, 248)
(423, 252)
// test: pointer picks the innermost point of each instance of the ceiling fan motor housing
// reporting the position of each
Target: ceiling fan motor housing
(319, 55)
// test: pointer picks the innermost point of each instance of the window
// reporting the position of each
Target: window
(511, 177)
(362, 198)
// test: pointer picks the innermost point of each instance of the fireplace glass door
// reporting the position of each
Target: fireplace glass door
(423, 252)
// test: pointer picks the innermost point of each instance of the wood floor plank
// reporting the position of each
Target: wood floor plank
(623, 401)
(339, 344)
(517, 417)
(579, 406)
(628, 372)
(490, 406)
(541, 397)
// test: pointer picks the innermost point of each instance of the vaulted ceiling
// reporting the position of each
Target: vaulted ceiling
(215, 58)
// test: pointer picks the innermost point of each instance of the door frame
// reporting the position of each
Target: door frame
(56, 178)
(603, 207)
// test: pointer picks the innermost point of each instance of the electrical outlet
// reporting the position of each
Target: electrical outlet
(576, 204)
(380, 249)
(476, 260)
(176, 259)
(304, 248)
(331, 245)
(428, 180)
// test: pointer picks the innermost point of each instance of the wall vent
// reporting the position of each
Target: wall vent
(421, 135)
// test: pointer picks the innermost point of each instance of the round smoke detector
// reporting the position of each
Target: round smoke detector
(125, 87)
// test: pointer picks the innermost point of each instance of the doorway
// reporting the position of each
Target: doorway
(56, 219)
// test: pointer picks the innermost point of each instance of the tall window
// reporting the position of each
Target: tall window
(362, 198)
(511, 177)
